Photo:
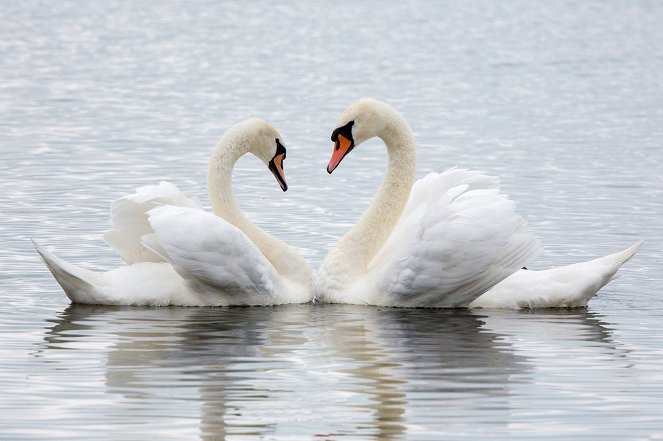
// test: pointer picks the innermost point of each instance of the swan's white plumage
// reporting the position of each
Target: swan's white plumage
(129, 219)
(442, 252)
(143, 283)
(178, 254)
(569, 286)
(212, 256)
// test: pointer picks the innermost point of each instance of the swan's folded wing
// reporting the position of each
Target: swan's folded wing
(212, 256)
(129, 219)
(458, 236)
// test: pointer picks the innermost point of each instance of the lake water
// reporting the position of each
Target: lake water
(563, 100)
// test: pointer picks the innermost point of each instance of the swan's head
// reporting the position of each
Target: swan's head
(360, 122)
(267, 144)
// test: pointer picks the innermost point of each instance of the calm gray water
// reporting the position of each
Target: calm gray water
(562, 99)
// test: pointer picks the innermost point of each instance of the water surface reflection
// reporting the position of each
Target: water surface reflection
(324, 370)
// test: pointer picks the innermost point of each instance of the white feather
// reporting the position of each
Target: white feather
(214, 256)
(452, 254)
(129, 219)
(568, 286)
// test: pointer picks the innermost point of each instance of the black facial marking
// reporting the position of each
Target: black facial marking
(280, 150)
(346, 131)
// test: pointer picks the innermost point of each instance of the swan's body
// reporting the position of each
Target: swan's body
(424, 246)
(178, 254)
(445, 243)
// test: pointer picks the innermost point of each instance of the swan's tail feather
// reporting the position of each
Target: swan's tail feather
(604, 269)
(570, 286)
(581, 281)
(618, 259)
(613, 262)
(78, 283)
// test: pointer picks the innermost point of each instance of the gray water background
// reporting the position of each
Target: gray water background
(563, 100)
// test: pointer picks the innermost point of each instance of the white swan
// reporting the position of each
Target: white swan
(447, 242)
(178, 254)
(440, 243)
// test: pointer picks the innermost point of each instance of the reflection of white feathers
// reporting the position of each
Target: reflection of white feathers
(178, 254)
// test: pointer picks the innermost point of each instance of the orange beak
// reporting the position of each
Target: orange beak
(342, 147)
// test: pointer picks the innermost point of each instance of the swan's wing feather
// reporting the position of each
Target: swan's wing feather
(457, 237)
(212, 256)
(130, 224)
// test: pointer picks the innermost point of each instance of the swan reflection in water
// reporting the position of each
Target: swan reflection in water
(324, 370)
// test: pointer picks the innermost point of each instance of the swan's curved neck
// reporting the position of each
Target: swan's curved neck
(285, 259)
(374, 227)
(219, 183)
